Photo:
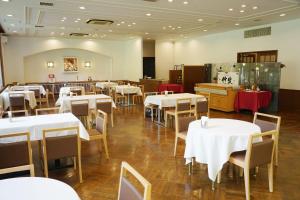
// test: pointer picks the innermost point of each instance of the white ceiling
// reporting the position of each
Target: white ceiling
(179, 19)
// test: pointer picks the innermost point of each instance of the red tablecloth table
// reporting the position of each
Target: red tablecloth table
(252, 100)
(177, 88)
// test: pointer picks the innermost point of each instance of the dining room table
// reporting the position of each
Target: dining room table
(37, 123)
(106, 84)
(128, 90)
(169, 100)
(36, 188)
(28, 87)
(65, 91)
(29, 96)
(213, 143)
(64, 102)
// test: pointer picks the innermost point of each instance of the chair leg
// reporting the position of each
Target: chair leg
(219, 177)
(152, 118)
(175, 147)
(74, 162)
(105, 148)
(270, 175)
(247, 183)
(46, 168)
(166, 120)
(276, 151)
(112, 119)
(241, 172)
(32, 174)
(79, 169)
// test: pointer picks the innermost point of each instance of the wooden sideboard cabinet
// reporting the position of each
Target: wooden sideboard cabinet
(222, 97)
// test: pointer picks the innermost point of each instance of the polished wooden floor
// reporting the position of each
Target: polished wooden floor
(149, 148)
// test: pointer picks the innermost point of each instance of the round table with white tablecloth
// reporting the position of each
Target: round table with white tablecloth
(213, 144)
(36, 188)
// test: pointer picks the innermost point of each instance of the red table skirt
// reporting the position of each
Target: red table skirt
(252, 100)
(170, 87)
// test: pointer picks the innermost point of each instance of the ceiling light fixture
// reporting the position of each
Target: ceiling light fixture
(204, 30)
(230, 9)
(170, 1)
(243, 6)
(12, 24)
(133, 23)
(148, 14)
(170, 26)
(62, 20)
(62, 34)
(164, 28)
(148, 38)
(185, 2)
(241, 11)
(9, 15)
(82, 8)
(75, 21)
(123, 22)
(5, 0)
(110, 30)
(118, 24)
(237, 24)
(200, 20)
(78, 19)
(129, 25)
(282, 15)
(14, 31)
(146, 33)
(254, 7)
(179, 27)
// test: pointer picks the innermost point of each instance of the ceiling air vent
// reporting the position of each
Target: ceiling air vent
(46, 4)
(79, 34)
(99, 22)
(151, 0)
(257, 32)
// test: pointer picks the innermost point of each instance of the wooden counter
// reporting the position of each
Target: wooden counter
(222, 97)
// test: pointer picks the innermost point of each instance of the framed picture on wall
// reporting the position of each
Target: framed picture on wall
(70, 64)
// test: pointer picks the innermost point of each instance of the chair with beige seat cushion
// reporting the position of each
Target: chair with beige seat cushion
(181, 126)
(202, 106)
(152, 107)
(105, 104)
(183, 104)
(61, 147)
(80, 108)
(43, 98)
(257, 154)
(127, 190)
(101, 130)
(119, 98)
(17, 102)
(16, 156)
(268, 122)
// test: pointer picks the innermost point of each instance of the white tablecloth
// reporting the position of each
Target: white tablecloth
(29, 96)
(36, 188)
(64, 91)
(104, 85)
(170, 100)
(65, 101)
(214, 144)
(36, 124)
(128, 89)
(30, 87)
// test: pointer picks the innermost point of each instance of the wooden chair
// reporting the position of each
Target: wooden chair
(269, 122)
(257, 154)
(202, 107)
(183, 104)
(152, 107)
(43, 98)
(119, 98)
(127, 191)
(18, 113)
(76, 91)
(101, 130)
(16, 156)
(46, 111)
(139, 97)
(37, 95)
(17, 101)
(105, 104)
(181, 126)
(51, 91)
(62, 147)
(80, 108)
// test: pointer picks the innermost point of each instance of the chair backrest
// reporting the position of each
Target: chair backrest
(76, 91)
(16, 156)
(55, 147)
(80, 107)
(18, 113)
(127, 191)
(268, 123)
(17, 100)
(45, 111)
(150, 94)
(36, 91)
(182, 121)
(202, 106)
(101, 122)
(183, 104)
(104, 104)
(260, 153)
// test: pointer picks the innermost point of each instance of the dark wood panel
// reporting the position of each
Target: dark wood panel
(1, 61)
(175, 76)
(193, 75)
(289, 99)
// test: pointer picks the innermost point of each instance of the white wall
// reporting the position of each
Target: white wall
(164, 58)
(18, 48)
(223, 48)
(100, 69)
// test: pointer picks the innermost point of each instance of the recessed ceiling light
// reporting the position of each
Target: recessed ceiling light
(5, 0)
(254, 7)
(204, 30)
(9, 15)
(62, 33)
(146, 33)
(200, 20)
(164, 28)
(62, 27)
(129, 25)
(170, 1)
(62, 20)
(237, 24)
(173, 28)
(243, 6)
(179, 27)
(123, 22)
(78, 19)
(148, 14)
(110, 30)
(14, 31)
(118, 24)
(148, 38)
(12, 24)
(185, 2)
(170, 26)
(241, 11)
(82, 8)
(133, 23)
(230, 9)
(75, 21)
(282, 15)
